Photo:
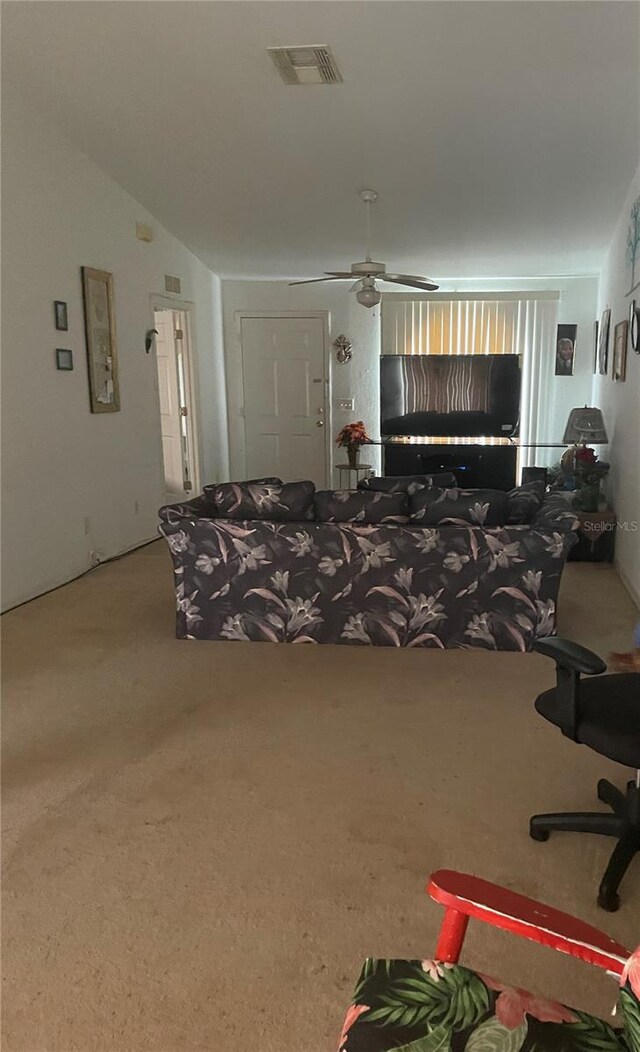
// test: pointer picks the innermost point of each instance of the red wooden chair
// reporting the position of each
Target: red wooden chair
(441, 1006)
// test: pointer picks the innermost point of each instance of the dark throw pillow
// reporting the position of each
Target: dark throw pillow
(524, 502)
(211, 490)
(335, 505)
(451, 507)
(277, 501)
(406, 483)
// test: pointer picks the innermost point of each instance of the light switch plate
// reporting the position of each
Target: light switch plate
(346, 403)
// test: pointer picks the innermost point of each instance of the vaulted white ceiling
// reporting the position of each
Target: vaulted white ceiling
(501, 136)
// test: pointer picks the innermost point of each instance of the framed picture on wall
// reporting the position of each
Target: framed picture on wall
(619, 367)
(60, 315)
(595, 346)
(565, 349)
(99, 324)
(634, 326)
(603, 342)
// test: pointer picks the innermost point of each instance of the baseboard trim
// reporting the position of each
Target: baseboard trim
(635, 595)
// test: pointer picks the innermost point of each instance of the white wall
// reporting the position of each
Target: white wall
(620, 404)
(61, 463)
(359, 378)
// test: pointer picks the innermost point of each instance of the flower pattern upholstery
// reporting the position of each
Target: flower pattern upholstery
(387, 585)
(428, 1006)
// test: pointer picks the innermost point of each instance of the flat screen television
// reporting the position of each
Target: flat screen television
(449, 394)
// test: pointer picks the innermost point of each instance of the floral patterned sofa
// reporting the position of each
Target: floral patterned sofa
(394, 582)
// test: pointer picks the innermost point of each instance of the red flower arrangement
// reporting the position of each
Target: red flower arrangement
(585, 456)
(353, 436)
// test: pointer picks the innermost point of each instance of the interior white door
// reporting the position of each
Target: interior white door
(283, 366)
(170, 407)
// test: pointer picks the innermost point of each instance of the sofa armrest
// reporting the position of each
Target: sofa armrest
(197, 508)
(464, 896)
(555, 514)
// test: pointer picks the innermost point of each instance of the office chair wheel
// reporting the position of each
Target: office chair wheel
(538, 834)
(609, 902)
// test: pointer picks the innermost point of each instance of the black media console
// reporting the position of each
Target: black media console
(475, 466)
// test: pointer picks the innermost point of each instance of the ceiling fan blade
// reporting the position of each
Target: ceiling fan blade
(414, 282)
(310, 281)
(340, 273)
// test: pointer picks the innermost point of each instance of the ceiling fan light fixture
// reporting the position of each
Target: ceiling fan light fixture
(369, 295)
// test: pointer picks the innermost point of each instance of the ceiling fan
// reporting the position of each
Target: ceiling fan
(369, 272)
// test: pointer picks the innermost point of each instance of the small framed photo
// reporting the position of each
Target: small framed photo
(64, 359)
(60, 313)
(634, 326)
(565, 349)
(603, 342)
(619, 368)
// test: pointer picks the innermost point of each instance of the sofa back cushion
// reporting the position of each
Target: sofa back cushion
(335, 505)
(406, 483)
(524, 502)
(211, 490)
(478, 507)
(263, 499)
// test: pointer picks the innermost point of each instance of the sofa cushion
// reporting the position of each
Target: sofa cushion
(432, 1004)
(278, 501)
(523, 502)
(479, 507)
(211, 490)
(406, 483)
(334, 505)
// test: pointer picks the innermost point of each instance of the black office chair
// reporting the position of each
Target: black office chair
(603, 714)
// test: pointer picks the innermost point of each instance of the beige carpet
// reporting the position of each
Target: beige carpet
(203, 840)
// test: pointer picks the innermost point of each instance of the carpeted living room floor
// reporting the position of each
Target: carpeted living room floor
(203, 840)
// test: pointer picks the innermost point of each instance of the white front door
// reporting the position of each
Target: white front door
(283, 366)
(175, 405)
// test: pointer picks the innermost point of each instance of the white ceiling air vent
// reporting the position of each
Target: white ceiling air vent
(308, 64)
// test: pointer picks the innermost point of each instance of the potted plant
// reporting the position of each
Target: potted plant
(351, 437)
(589, 473)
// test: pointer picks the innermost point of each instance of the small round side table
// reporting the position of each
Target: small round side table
(358, 470)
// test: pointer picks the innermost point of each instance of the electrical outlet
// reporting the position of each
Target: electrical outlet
(346, 403)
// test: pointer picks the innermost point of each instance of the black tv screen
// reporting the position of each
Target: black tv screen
(449, 394)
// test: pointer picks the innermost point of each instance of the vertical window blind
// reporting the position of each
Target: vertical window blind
(462, 324)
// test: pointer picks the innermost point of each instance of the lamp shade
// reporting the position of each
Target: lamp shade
(586, 424)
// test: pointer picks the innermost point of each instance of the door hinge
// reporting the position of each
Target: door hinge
(179, 334)
(188, 485)
(184, 411)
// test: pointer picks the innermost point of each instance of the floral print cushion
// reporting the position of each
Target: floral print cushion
(428, 1006)
(524, 501)
(197, 508)
(407, 483)
(630, 1001)
(479, 507)
(360, 506)
(263, 499)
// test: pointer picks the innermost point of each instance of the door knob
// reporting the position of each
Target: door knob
(319, 423)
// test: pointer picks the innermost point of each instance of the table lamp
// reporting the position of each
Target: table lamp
(585, 425)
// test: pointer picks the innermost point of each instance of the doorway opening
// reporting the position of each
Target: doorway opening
(175, 395)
